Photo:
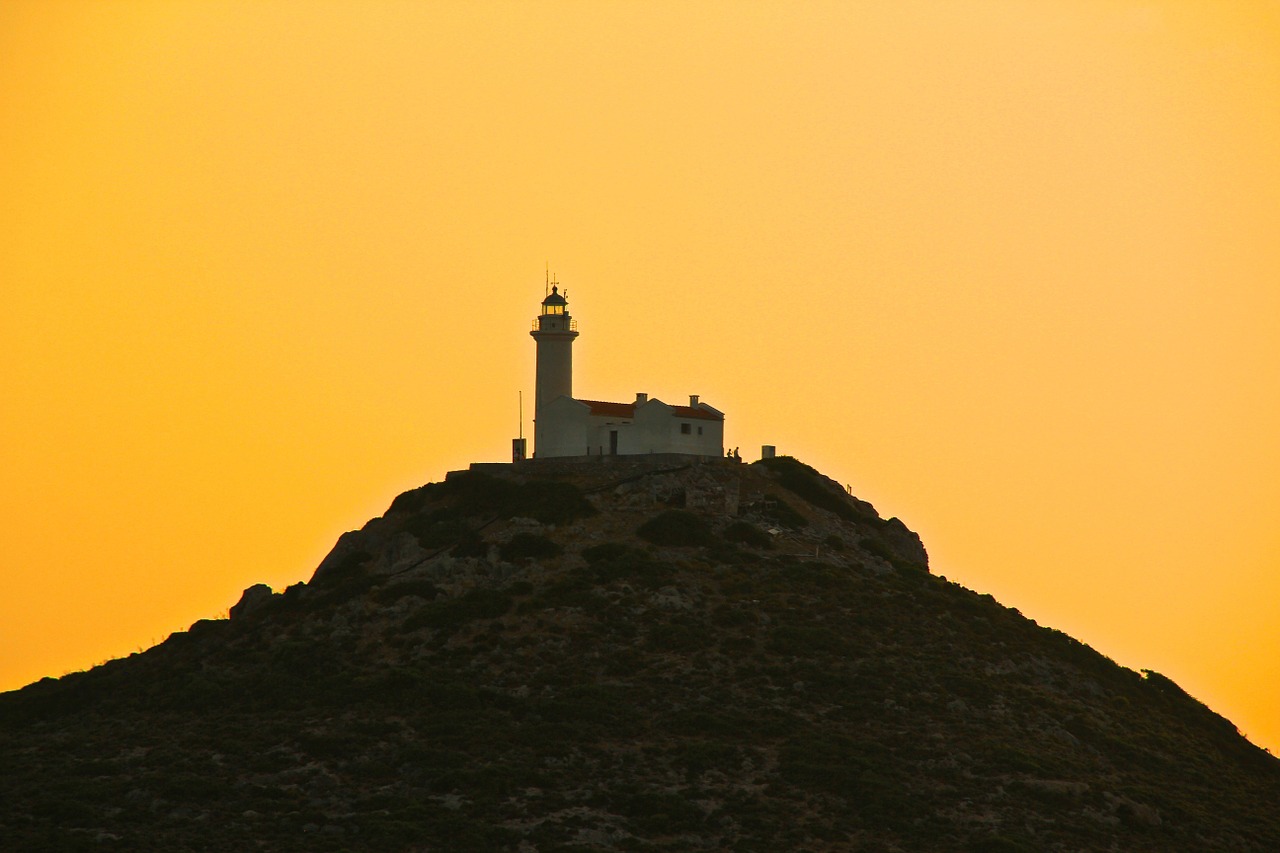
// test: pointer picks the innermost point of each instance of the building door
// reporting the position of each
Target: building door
(613, 442)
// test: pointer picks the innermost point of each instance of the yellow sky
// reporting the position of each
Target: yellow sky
(1010, 269)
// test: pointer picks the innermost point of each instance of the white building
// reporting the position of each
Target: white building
(564, 426)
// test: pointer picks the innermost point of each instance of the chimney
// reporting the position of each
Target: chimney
(693, 401)
(642, 397)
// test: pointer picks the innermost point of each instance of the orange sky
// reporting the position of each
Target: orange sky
(1011, 269)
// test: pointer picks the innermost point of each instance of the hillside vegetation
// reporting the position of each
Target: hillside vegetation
(626, 657)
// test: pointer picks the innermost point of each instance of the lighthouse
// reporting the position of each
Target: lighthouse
(554, 331)
(567, 427)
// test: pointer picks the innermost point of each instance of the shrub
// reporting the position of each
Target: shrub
(614, 561)
(64, 810)
(675, 527)
(414, 499)
(726, 553)
(728, 616)
(679, 638)
(553, 503)
(593, 707)
(699, 756)
(471, 544)
(748, 534)
(808, 641)
(807, 483)
(480, 494)
(1188, 703)
(656, 811)
(519, 588)
(437, 529)
(998, 844)
(475, 604)
(574, 591)
(528, 546)
(830, 764)
(396, 591)
(783, 514)
(328, 745)
(862, 771)
(607, 552)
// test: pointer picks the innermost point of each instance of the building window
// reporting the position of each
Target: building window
(699, 430)
(684, 429)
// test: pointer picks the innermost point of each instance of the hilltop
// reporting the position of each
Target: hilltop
(626, 655)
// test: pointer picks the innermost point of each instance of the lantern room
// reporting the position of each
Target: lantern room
(554, 303)
(555, 314)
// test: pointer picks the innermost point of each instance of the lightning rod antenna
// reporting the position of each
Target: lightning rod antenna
(521, 393)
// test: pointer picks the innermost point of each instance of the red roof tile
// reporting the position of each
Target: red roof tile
(613, 410)
(628, 410)
(693, 412)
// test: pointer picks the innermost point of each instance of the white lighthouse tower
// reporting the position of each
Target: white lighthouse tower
(554, 331)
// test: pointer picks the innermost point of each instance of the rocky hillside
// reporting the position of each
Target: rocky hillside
(626, 656)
